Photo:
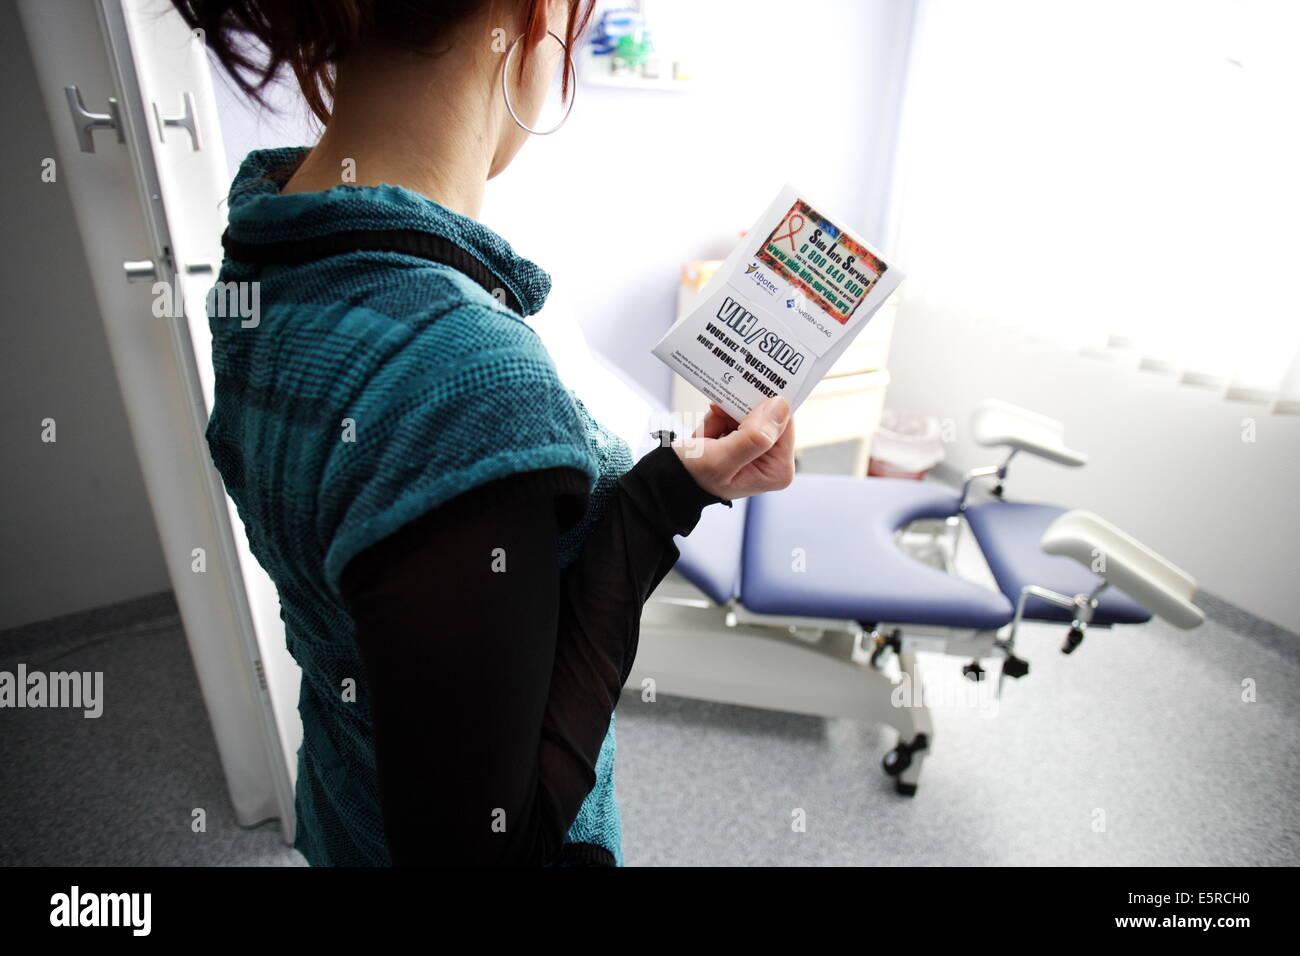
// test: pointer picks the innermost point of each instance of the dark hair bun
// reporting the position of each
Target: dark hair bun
(312, 36)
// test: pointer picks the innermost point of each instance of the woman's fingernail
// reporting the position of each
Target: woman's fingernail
(778, 410)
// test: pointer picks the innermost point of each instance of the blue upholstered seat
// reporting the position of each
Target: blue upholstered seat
(711, 555)
(824, 547)
(1009, 535)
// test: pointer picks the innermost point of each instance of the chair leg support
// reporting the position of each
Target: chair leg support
(904, 762)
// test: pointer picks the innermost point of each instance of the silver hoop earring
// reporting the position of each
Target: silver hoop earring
(505, 93)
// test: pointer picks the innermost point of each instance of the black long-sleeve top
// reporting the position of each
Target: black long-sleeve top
(492, 673)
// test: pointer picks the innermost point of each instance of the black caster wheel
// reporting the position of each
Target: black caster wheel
(905, 789)
(900, 758)
(973, 671)
(897, 760)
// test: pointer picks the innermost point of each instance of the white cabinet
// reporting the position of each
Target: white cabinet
(129, 95)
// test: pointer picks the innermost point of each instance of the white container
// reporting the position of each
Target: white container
(906, 445)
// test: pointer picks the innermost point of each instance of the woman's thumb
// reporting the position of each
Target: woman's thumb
(775, 413)
(759, 431)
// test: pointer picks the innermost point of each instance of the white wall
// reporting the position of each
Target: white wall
(76, 531)
(1168, 461)
(637, 181)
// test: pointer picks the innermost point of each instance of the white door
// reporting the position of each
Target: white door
(129, 94)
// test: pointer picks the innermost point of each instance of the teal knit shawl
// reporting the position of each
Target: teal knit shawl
(373, 387)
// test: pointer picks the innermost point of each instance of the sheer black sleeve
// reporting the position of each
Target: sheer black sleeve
(492, 674)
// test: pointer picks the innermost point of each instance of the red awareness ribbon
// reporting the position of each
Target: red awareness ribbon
(793, 229)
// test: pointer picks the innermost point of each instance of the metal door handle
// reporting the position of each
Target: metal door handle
(185, 121)
(86, 122)
(141, 270)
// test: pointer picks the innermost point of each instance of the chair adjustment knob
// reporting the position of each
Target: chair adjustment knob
(893, 642)
(1016, 667)
(973, 671)
(1072, 640)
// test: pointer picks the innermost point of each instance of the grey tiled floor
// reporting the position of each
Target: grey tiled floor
(1142, 730)
(119, 789)
(1143, 724)
(1137, 749)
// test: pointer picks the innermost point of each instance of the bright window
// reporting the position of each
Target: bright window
(1116, 174)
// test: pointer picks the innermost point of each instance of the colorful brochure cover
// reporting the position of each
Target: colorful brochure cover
(782, 308)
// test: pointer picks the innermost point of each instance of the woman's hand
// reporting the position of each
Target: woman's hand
(736, 461)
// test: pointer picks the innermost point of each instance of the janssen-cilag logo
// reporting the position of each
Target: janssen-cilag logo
(760, 278)
(799, 304)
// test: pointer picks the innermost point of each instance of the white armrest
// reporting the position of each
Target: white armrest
(1003, 424)
(1160, 587)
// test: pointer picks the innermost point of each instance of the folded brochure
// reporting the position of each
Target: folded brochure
(781, 310)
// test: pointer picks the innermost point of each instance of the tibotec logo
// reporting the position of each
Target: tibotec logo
(760, 279)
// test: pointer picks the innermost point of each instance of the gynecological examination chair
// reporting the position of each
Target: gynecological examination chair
(817, 598)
